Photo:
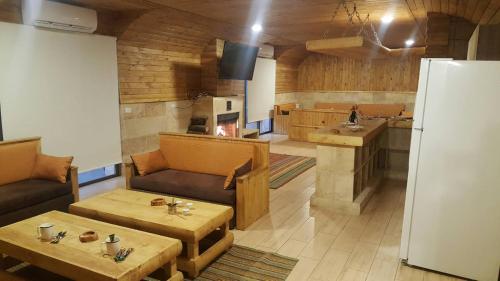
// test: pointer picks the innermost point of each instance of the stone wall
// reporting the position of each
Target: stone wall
(308, 99)
(141, 123)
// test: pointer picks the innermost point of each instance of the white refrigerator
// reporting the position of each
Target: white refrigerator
(452, 210)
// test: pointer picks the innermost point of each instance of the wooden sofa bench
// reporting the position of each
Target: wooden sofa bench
(21, 196)
(197, 167)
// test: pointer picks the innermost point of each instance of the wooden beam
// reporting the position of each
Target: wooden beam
(356, 46)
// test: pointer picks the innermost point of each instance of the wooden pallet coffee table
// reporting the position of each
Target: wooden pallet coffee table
(85, 261)
(204, 233)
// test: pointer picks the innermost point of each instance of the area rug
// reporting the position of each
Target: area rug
(243, 263)
(284, 168)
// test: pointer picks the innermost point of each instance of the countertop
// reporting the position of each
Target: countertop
(338, 135)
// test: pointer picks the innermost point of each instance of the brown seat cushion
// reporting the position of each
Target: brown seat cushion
(51, 167)
(23, 194)
(187, 184)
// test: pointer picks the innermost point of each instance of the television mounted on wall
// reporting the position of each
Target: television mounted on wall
(238, 61)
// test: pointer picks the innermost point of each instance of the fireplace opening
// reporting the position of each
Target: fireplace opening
(227, 125)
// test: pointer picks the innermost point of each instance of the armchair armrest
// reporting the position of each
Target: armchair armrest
(74, 183)
(129, 174)
(252, 197)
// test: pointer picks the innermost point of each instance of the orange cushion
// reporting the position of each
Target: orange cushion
(17, 161)
(239, 171)
(149, 162)
(407, 114)
(334, 106)
(51, 167)
(381, 110)
(214, 157)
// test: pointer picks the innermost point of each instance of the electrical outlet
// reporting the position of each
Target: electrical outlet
(128, 110)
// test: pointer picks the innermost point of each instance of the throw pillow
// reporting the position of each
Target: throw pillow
(51, 167)
(149, 162)
(239, 171)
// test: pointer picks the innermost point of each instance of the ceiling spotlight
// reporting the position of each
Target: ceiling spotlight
(256, 28)
(409, 42)
(387, 19)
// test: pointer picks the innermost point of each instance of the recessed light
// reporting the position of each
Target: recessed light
(256, 27)
(387, 19)
(409, 42)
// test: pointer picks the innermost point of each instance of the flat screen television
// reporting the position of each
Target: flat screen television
(238, 61)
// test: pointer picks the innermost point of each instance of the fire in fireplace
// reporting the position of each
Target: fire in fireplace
(227, 125)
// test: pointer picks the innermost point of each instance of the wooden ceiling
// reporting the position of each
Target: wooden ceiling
(301, 20)
(286, 22)
(174, 30)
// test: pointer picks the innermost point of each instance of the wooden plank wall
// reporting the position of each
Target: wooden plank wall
(287, 77)
(10, 11)
(488, 47)
(288, 60)
(328, 73)
(447, 36)
(150, 75)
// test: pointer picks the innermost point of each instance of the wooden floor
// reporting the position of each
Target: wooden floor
(329, 246)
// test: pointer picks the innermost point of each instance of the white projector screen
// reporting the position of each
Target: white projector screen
(261, 90)
(63, 87)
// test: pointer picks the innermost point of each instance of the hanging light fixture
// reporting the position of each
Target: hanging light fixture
(365, 43)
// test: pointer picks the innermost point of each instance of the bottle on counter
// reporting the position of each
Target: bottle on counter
(353, 117)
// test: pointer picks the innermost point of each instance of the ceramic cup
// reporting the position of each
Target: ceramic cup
(179, 203)
(189, 205)
(185, 211)
(112, 247)
(45, 231)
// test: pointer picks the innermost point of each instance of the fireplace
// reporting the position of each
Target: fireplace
(228, 125)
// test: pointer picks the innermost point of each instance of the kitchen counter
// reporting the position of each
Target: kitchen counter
(349, 165)
(340, 135)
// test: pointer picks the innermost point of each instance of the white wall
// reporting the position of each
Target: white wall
(261, 90)
(63, 87)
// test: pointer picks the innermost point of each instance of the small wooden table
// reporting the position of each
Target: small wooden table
(85, 261)
(204, 233)
(347, 166)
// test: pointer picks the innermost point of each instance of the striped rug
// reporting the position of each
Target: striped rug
(247, 264)
(284, 168)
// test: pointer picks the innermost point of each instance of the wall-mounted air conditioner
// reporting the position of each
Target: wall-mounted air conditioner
(56, 15)
(266, 51)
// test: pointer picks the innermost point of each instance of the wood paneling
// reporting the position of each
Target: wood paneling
(489, 43)
(299, 20)
(286, 78)
(326, 73)
(448, 36)
(304, 121)
(288, 60)
(151, 75)
(174, 30)
(288, 22)
(10, 11)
